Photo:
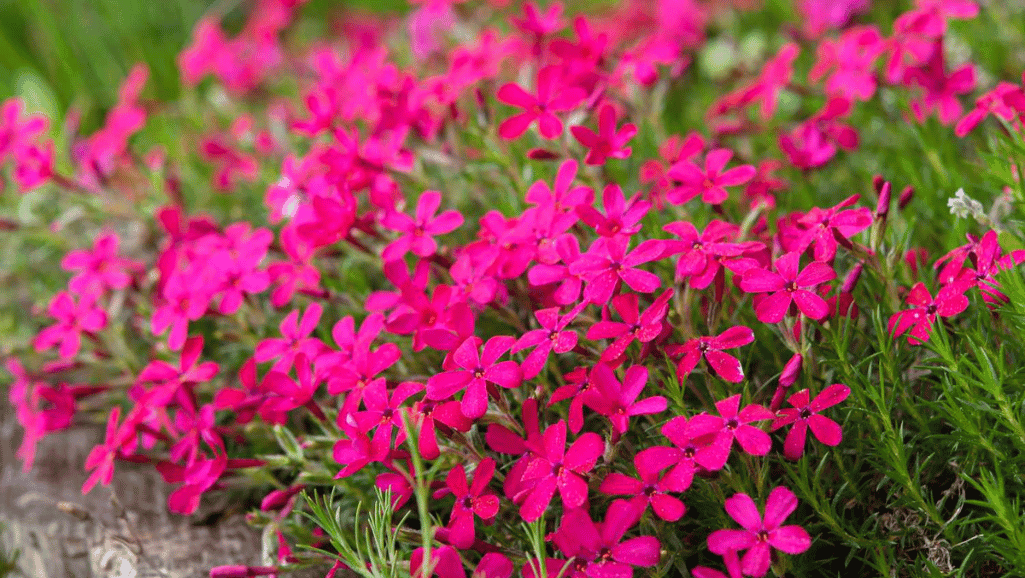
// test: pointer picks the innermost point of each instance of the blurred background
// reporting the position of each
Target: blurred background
(61, 54)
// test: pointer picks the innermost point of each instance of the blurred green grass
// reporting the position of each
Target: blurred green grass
(74, 53)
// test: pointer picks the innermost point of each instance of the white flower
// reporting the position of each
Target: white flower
(964, 206)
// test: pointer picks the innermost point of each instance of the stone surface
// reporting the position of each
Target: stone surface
(120, 531)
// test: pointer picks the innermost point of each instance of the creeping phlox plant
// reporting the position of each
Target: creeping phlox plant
(552, 290)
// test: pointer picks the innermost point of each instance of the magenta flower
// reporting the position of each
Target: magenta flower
(699, 253)
(476, 370)
(553, 336)
(686, 457)
(553, 95)
(622, 216)
(607, 263)
(608, 142)
(563, 196)
(170, 379)
(73, 319)
(618, 401)
(567, 247)
(101, 458)
(553, 467)
(599, 551)
(710, 182)
(643, 327)
(471, 499)
(295, 339)
(725, 365)
(101, 268)
(823, 225)
(652, 488)
(917, 322)
(805, 415)
(418, 232)
(787, 287)
(732, 423)
(940, 90)
(760, 534)
(814, 142)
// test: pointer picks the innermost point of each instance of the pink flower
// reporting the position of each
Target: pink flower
(732, 423)
(552, 336)
(805, 415)
(787, 287)
(553, 467)
(725, 365)
(101, 268)
(101, 458)
(850, 63)
(643, 327)
(418, 232)
(73, 319)
(760, 534)
(608, 142)
(607, 263)
(295, 339)
(552, 96)
(823, 225)
(710, 182)
(599, 550)
(475, 371)
(618, 401)
(814, 142)
(917, 323)
(622, 216)
(651, 488)
(939, 89)
(700, 254)
(471, 499)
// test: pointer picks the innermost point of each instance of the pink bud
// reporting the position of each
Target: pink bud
(877, 183)
(241, 571)
(539, 154)
(905, 197)
(851, 281)
(791, 370)
(883, 206)
(278, 498)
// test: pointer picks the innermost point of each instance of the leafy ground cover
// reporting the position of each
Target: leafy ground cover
(668, 288)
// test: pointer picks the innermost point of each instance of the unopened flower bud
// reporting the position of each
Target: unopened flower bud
(851, 281)
(877, 183)
(883, 206)
(241, 571)
(278, 498)
(791, 370)
(905, 197)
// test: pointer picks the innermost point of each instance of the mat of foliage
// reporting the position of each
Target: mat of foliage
(666, 288)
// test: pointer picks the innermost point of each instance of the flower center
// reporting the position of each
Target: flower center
(805, 413)
(732, 423)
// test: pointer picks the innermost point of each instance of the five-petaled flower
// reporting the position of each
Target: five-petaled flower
(786, 287)
(608, 142)
(553, 96)
(476, 370)
(760, 533)
(806, 414)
